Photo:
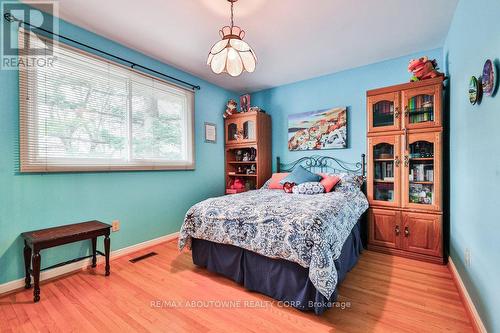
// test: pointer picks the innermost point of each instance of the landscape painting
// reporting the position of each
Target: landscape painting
(318, 130)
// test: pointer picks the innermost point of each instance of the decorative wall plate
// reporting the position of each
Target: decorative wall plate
(474, 90)
(489, 77)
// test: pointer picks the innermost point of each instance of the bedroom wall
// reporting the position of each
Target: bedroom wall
(474, 156)
(346, 88)
(148, 204)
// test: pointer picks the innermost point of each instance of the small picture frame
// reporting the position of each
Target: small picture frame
(245, 103)
(210, 133)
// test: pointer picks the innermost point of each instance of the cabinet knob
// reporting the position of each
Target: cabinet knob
(396, 230)
(396, 112)
(397, 161)
(407, 232)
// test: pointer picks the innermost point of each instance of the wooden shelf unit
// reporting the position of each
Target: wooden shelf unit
(405, 215)
(250, 133)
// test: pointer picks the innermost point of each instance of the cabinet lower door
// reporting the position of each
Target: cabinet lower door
(384, 228)
(423, 233)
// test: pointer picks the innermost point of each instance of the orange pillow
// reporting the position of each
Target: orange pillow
(275, 180)
(329, 181)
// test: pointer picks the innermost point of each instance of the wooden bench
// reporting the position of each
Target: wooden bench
(35, 241)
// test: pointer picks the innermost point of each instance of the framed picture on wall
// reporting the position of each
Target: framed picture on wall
(210, 133)
(318, 130)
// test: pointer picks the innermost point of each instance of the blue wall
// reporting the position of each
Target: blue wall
(148, 204)
(475, 156)
(347, 88)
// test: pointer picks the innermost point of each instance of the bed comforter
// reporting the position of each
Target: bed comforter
(309, 230)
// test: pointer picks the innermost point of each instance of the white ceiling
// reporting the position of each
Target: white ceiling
(293, 39)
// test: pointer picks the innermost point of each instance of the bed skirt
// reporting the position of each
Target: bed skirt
(280, 279)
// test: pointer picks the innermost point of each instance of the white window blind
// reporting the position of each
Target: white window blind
(86, 113)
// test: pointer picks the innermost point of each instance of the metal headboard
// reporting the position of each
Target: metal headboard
(318, 163)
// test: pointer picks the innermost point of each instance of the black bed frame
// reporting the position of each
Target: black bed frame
(329, 164)
(318, 163)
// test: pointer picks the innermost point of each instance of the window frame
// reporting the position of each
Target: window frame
(27, 126)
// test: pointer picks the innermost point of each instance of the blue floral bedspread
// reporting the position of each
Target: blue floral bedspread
(307, 229)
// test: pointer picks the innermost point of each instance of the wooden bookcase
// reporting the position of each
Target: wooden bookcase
(248, 147)
(405, 168)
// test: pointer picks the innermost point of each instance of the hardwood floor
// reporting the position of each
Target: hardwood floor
(386, 294)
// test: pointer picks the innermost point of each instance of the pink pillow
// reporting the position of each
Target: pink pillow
(328, 181)
(275, 181)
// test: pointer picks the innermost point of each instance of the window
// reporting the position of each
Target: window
(85, 113)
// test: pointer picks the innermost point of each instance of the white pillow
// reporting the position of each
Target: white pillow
(309, 188)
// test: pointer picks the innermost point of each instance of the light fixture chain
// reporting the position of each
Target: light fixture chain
(232, 15)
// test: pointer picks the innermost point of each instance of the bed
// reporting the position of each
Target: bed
(294, 248)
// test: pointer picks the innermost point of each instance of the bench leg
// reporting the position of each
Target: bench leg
(107, 246)
(94, 252)
(27, 265)
(36, 275)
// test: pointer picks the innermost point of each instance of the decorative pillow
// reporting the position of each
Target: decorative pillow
(349, 182)
(309, 188)
(275, 180)
(329, 181)
(300, 175)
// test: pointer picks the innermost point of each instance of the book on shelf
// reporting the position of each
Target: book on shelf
(384, 170)
(421, 108)
(422, 173)
(429, 174)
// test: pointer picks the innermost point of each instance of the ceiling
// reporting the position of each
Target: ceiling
(293, 39)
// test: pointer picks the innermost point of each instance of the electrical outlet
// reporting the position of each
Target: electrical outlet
(115, 225)
(467, 257)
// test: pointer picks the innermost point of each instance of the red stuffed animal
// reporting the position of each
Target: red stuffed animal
(423, 68)
(237, 184)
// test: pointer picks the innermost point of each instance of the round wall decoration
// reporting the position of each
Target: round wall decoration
(474, 90)
(489, 77)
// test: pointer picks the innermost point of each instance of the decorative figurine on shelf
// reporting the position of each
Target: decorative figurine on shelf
(239, 155)
(253, 154)
(240, 170)
(237, 184)
(230, 108)
(246, 156)
(252, 170)
(423, 69)
(256, 109)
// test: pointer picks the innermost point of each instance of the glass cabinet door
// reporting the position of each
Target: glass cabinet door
(231, 132)
(383, 112)
(422, 180)
(422, 107)
(384, 170)
(248, 129)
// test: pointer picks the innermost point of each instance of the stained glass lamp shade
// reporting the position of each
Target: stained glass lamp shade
(231, 54)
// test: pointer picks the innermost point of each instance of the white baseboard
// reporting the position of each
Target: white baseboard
(471, 308)
(58, 271)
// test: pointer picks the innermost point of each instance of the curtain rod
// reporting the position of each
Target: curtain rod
(10, 18)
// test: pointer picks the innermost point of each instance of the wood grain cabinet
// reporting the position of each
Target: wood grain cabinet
(248, 150)
(384, 228)
(405, 168)
(422, 233)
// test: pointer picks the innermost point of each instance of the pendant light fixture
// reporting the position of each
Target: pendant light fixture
(231, 54)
